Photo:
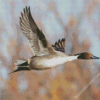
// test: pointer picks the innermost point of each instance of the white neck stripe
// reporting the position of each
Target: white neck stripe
(70, 58)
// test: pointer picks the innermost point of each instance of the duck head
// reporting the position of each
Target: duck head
(86, 55)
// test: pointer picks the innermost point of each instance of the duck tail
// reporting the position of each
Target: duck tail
(21, 64)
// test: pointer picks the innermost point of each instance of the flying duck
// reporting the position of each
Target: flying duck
(46, 56)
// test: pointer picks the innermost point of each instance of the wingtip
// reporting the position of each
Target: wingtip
(20, 18)
(21, 14)
(24, 10)
(59, 40)
(56, 43)
(63, 39)
(27, 8)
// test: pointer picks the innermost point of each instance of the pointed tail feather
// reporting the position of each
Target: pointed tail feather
(20, 69)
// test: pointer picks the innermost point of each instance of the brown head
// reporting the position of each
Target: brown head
(86, 55)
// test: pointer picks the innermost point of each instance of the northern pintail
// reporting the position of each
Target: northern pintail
(45, 55)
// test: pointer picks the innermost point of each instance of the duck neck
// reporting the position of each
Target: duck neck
(70, 58)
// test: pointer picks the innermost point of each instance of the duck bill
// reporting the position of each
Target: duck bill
(94, 57)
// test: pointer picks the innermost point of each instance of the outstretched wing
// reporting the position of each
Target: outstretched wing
(60, 45)
(35, 36)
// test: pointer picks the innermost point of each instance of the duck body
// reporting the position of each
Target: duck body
(49, 61)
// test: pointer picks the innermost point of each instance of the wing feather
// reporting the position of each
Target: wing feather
(60, 45)
(37, 40)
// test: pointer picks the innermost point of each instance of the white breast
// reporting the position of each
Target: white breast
(55, 61)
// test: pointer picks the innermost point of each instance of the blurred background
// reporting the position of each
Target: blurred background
(78, 21)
